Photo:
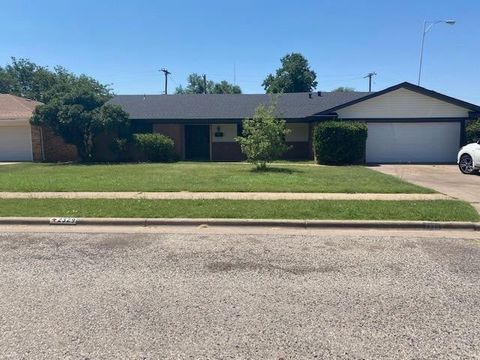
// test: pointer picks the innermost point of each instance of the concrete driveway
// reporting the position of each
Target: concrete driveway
(446, 179)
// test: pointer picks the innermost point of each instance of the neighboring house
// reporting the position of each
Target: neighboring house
(406, 123)
(20, 141)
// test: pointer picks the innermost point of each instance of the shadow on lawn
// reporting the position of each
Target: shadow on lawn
(279, 170)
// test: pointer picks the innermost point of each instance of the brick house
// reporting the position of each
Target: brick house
(406, 123)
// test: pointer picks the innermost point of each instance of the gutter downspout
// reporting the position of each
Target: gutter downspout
(42, 147)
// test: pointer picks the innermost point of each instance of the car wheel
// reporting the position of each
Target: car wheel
(466, 164)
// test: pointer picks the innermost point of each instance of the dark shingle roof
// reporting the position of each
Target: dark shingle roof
(228, 106)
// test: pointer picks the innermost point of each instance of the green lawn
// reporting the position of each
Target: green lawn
(438, 210)
(186, 176)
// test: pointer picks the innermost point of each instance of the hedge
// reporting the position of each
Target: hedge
(472, 131)
(155, 147)
(340, 142)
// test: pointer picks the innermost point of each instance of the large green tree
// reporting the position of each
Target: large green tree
(80, 115)
(293, 76)
(24, 78)
(75, 106)
(196, 85)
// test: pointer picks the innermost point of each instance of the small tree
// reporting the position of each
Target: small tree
(263, 137)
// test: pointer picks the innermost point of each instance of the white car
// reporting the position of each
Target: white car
(468, 158)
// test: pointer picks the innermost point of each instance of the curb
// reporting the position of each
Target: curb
(305, 224)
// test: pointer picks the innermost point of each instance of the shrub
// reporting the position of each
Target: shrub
(340, 142)
(155, 147)
(263, 137)
(472, 131)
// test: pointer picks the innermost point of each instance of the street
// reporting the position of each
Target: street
(242, 293)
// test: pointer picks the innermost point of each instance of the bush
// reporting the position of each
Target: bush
(472, 131)
(263, 137)
(340, 142)
(155, 147)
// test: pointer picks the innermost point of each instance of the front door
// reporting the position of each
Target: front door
(197, 142)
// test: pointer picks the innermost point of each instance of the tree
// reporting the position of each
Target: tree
(294, 75)
(344, 89)
(80, 113)
(75, 107)
(24, 78)
(224, 87)
(196, 85)
(263, 137)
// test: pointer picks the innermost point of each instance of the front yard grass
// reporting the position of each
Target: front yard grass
(437, 210)
(185, 176)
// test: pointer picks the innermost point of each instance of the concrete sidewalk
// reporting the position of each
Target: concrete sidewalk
(219, 195)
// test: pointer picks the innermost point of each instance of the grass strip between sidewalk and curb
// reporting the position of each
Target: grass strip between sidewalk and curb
(433, 210)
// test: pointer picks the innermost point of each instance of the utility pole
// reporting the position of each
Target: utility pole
(204, 83)
(370, 75)
(166, 72)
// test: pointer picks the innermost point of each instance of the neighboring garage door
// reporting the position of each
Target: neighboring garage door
(413, 142)
(15, 143)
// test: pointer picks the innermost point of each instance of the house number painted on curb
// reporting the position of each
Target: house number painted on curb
(63, 221)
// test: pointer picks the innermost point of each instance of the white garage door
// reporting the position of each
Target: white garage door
(15, 143)
(413, 142)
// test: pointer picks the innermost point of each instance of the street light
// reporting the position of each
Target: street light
(427, 26)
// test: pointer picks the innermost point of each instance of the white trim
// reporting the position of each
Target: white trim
(31, 142)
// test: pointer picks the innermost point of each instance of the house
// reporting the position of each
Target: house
(20, 141)
(406, 123)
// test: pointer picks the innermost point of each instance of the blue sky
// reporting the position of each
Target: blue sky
(125, 43)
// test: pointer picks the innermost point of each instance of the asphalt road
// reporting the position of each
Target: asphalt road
(262, 296)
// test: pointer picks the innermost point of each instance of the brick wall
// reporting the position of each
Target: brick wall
(174, 131)
(54, 148)
(230, 151)
(300, 150)
(226, 151)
